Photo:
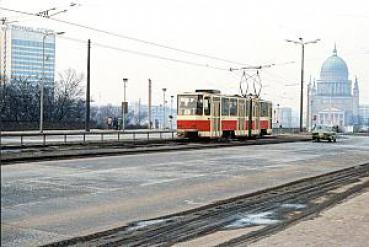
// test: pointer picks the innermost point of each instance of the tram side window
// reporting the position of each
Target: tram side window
(270, 110)
(242, 108)
(247, 108)
(207, 106)
(225, 107)
(233, 107)
(190, 105)
(200, 105)
(264, 109)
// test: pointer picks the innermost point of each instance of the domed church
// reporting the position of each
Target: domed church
(332, 99)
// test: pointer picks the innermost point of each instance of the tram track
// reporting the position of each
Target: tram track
(58, 152)
(315, 194)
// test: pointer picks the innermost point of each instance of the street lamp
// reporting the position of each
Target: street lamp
(124, 105)
(171, 112)
(278, 125)
(160, 111)
(44, 35)
(302, 43)
(164, 118)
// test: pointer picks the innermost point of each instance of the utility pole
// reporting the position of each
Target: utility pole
(171, 112)
(44, 35)
(124, 105)
(4, 26)
(302, 43)
(42, 86)
(278, 119)
(88, 100)
(302, 87)
(164, 117)
(159, 117)
(139, 111)
(150, 122)
(307, 122)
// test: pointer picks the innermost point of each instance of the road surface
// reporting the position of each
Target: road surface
(54, 200)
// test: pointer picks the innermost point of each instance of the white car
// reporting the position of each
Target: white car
(324, 132)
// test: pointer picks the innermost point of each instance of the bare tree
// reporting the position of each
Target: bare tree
(68, 96)
(63, 103)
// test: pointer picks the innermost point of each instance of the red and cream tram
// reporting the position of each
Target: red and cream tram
(208, 113)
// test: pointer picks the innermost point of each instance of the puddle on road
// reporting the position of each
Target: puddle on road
(142, 224)
(293, 206)
(264, 218)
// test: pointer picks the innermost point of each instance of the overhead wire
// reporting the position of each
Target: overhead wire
(147, 54)
(147, 42)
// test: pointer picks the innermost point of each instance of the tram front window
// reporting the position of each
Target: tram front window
(190, 105)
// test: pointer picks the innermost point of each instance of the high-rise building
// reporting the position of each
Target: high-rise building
(21, 50)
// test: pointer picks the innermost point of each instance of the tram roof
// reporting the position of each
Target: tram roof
(206, 92)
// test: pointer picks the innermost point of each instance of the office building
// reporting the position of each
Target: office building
(21, 50)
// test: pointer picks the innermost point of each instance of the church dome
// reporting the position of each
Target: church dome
(334, 68)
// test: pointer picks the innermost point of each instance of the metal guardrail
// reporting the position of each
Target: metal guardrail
(83, 137)
(279, 131)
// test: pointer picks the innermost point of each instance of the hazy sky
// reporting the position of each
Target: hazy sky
(251, 32)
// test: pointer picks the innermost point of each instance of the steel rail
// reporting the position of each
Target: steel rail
(202, 226)
(204, 220)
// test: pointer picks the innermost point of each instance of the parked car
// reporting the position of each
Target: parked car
(324, 132)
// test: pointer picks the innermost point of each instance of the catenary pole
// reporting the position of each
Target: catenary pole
(164, 113)
(171, 112)
(125, 80)
(302, 86)
(42, 85)
(302, 43)
(87, 117)
(150, 122)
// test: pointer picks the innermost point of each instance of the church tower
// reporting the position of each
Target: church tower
(334, 100)
(355, 102)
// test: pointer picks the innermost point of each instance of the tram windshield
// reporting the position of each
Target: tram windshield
(190, 104)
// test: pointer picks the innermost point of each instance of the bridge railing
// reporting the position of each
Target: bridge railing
(29, 138)
(291, 131)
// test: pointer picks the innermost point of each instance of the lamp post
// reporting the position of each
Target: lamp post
(171, 112)
(278, 119)
(160, 111)
(44, 35)
(125, 80)
(164, 117)
(302, 43)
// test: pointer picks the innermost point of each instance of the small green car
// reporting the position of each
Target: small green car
(324, 132)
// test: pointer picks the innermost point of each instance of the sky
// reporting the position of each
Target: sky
(249, 32)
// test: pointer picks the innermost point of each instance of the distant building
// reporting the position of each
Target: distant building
(157, 115)
(364, 116)
(21, 50)
(284, 117)
(332, 100)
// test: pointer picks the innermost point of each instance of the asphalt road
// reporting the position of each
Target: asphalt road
(54, 200)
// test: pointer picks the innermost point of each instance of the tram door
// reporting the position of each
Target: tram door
(215, 117)
(241, 116)
(257, 117)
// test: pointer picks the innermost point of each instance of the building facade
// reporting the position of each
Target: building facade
(364, 117)
(334, 99)
(283, 117)
(21, 52)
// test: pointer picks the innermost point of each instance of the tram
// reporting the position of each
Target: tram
(210, 114)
